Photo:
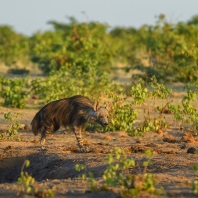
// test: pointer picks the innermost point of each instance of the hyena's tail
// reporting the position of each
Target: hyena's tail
(36, 124)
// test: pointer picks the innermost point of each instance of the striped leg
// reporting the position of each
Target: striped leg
(46, 130)
(42, 140)
(77, 132)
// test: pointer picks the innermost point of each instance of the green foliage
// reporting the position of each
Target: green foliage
(113, 175)
(71, 45)
(130, 185)
(122, 115)
(13, 46)
(168, 51)
(13, 128)
(186, 112)
(195, 187)
(71, 81)
(146, 98)
(73, 60)
(139, 93)
(14, 91)
(159, 90)
(26, 179)
(117, 174)
(27, 182)
(154, 124)
(195, 183)
(81, 167)
(92, 183)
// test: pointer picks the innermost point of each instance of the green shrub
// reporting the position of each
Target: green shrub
(122, 115)
(71, 45)
(13, 128)
(14, 91)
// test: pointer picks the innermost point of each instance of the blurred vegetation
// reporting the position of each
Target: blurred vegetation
(13, 46)
(78, 58)
(168, 51)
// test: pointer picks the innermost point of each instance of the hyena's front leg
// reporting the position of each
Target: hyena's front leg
(45, 131)
(77, 132)
(42, 139)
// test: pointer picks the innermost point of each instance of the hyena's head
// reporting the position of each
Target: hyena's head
(102, 113)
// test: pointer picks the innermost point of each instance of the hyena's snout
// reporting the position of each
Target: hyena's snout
(105, 124)
(103, 121)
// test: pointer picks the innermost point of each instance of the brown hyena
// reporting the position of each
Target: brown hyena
(73, 112)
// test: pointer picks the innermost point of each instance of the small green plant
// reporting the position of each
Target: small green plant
(186, 113)
(117, 164)
(27, 182)
(153, 124)
(81, 167)
(195, 183)
(92, 183)
(146, 98)
(117, 175)
(26, 179)
(134, 184)
(13, 128)
(195, 187)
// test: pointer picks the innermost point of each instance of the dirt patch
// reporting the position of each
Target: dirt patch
(55, 167)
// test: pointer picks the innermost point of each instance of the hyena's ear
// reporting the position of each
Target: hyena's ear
(109, 106)
(96, 105)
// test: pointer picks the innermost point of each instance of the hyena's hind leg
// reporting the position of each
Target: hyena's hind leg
(77, 132)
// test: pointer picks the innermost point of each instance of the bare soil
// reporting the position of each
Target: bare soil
(55, 167)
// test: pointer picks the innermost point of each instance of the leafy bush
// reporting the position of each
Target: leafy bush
(72, 81)
(71, 45)
(185, 112)
(13, 46)
(122, 115)
(146, 98)
(74, 63)
(14, 91)
(166, 51)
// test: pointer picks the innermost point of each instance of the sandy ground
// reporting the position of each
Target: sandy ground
(55, 167)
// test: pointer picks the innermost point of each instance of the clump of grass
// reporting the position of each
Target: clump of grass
(12, 130)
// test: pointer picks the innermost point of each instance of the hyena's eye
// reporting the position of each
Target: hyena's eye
(101, 117)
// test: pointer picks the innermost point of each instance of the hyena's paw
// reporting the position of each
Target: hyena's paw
(85, 149)
(43, 148)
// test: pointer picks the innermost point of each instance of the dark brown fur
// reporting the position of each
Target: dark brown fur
(73, 112)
